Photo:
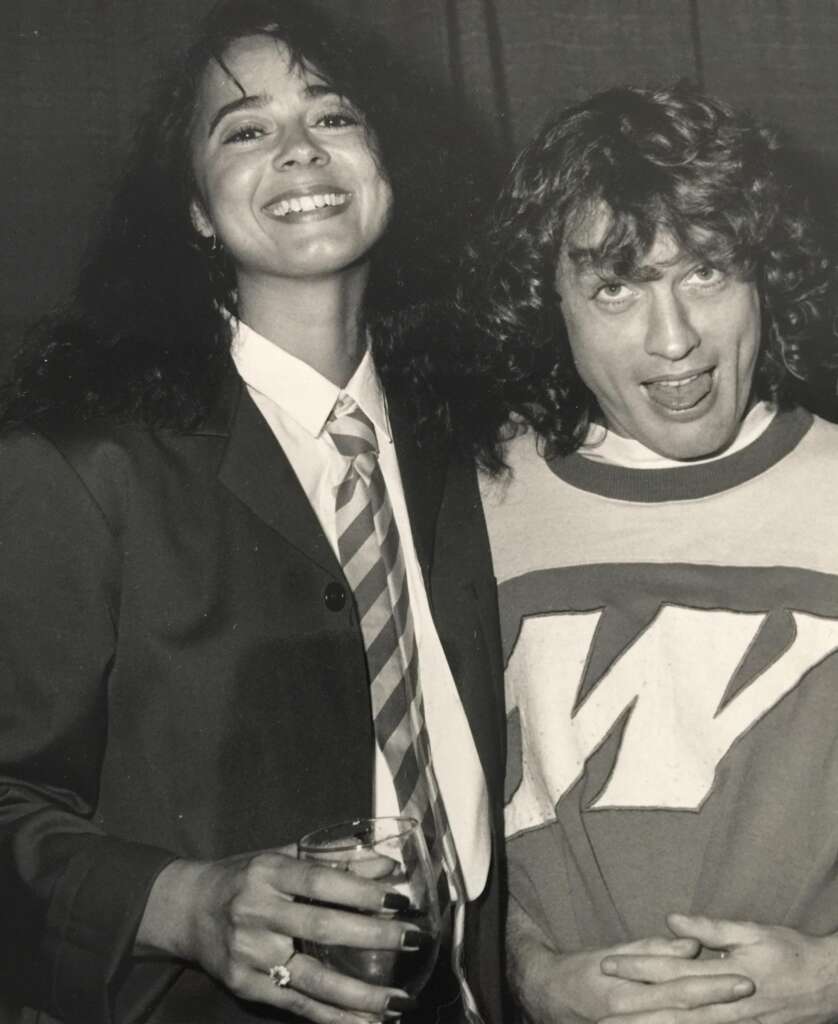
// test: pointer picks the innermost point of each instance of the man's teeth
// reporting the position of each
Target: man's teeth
(677, 383)
(305, 204)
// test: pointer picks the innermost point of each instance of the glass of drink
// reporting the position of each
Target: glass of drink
(392, 850)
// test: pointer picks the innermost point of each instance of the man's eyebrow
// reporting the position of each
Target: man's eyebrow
(262, 99)
(590, 261)
(583, 259)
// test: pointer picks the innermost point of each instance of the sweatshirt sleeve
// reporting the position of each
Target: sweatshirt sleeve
(75, 895)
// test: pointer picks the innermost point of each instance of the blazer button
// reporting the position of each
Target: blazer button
(334, 596)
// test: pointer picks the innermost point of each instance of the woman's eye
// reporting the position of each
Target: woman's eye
(338, 119)
(245, 133)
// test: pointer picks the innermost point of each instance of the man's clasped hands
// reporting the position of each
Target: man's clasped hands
(712, 971)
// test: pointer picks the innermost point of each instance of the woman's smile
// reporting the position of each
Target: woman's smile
(288, 178)
(313, 203)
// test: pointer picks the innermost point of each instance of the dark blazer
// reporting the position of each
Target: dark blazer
(174, 682)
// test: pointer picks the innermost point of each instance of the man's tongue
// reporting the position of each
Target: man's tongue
(683, 394)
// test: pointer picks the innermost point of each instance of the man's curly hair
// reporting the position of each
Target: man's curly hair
(672, 161)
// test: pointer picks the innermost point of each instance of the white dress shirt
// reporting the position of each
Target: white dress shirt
(296, 402)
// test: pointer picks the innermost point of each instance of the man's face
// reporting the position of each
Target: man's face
(670, 353)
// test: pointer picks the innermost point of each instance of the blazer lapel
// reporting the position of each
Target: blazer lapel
(255, 468)
(422, 470)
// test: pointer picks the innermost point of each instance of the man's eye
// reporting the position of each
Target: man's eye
(612, 292)
(707, 275)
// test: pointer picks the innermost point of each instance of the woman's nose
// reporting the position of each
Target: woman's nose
(671, 332)
(299, 148)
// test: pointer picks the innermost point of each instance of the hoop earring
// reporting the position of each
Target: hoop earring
(208, 247)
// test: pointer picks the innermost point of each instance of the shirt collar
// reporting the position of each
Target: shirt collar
(604, 445)
(301, 391)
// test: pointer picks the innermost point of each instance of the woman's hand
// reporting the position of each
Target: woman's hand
(237, 918)
(556, 988)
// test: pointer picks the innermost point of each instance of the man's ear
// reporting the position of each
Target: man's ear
(200, 221)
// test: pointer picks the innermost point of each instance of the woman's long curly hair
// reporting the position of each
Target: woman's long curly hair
(672, 161)
(145, 337)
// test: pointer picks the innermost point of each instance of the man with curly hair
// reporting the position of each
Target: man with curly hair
(653, 294)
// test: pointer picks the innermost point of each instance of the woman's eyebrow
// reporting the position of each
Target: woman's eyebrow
(242, 103)
(317, 89)
(256, 102)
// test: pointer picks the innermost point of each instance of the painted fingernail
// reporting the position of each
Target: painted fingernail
(743, 988)
(414, 939)
(395, 901)
(398, 1004)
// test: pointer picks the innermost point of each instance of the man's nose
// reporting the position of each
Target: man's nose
(299, 148)
(671, 331)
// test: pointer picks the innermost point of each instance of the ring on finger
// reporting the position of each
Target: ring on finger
(280, 974)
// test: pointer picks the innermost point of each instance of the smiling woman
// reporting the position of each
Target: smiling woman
(145, 311)
(288, 178)
(187, 675)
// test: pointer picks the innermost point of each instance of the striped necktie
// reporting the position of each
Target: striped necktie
(370, 553)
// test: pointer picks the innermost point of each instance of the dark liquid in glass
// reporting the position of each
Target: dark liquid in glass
(394, 968)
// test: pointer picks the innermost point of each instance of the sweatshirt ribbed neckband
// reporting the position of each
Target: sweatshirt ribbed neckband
(688, 482)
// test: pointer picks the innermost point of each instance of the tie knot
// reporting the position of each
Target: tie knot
(351, 429)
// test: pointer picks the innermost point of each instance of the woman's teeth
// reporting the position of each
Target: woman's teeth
(307, 203)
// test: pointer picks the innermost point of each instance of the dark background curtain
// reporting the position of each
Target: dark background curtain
(75, 72)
